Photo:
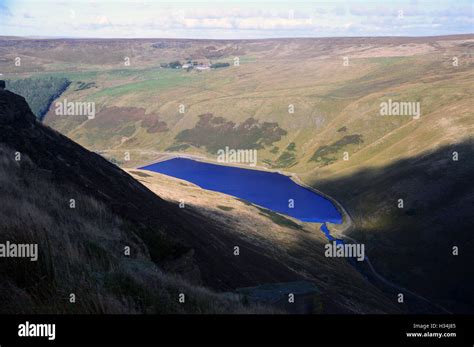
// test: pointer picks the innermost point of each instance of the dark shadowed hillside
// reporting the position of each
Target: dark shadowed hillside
(81, 249)
(83, 212)
(413, 245)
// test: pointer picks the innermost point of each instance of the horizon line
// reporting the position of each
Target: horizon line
(33, 37)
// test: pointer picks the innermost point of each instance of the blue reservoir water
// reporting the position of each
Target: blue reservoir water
(266, 189)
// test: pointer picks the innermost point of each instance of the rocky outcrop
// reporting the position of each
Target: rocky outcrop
(14, 110)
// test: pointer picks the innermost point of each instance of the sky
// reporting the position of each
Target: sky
(244, 19)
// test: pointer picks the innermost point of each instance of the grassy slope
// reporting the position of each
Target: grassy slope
(298, 246)
(327, 97)
(81, 252)
(81, 249)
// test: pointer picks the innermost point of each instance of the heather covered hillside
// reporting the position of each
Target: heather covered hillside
(324, 95)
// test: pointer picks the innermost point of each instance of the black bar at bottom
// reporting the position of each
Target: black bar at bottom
(228, 329)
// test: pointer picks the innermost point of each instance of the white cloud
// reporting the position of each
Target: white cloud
(273, 23)
(252, 19)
